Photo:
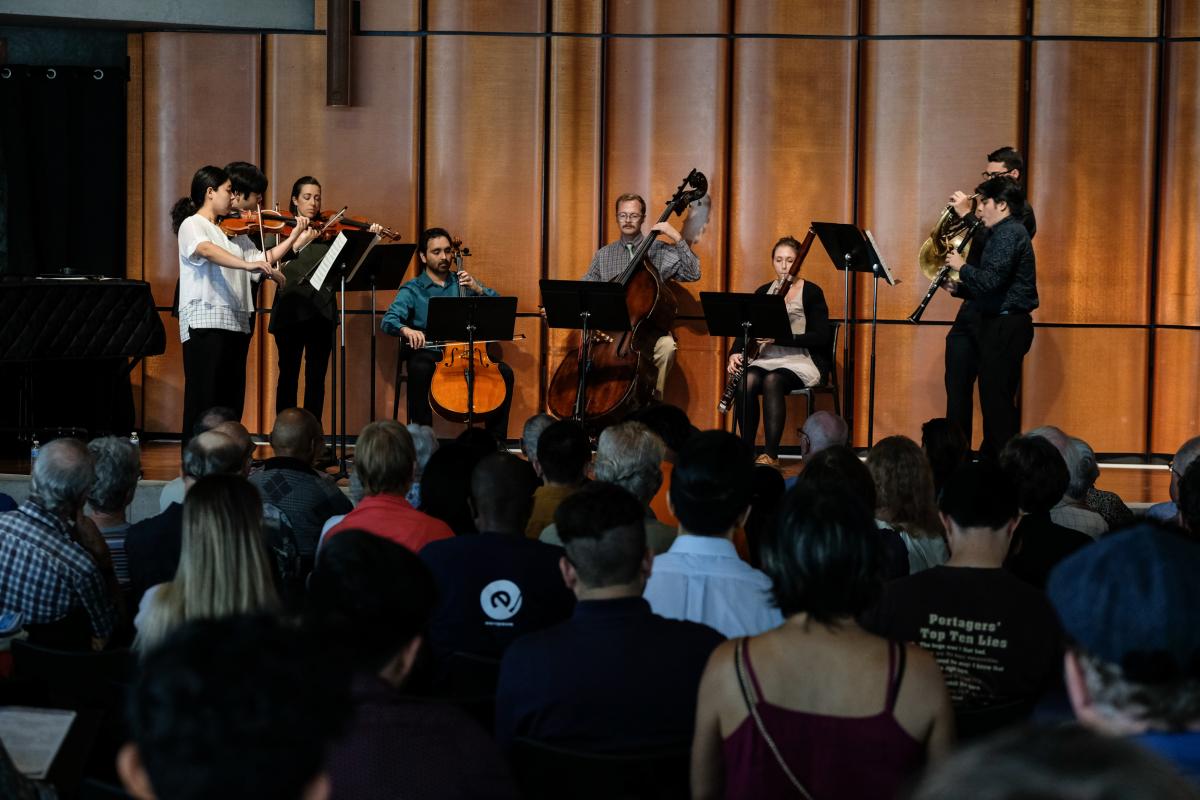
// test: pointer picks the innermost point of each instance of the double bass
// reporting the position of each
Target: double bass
(619, 367)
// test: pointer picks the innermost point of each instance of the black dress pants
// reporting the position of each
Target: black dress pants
(962, 368)
(214, 374)
(312, 342)
(421, 365)
(1003, 342)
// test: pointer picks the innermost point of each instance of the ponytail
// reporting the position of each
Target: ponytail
(206, 178)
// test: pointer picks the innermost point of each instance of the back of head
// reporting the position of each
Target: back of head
(712, 483)
(945, 446)
(502, 487)
(295, 434)
(1082, 468)
(213, 417)
(241, 435)
(825, 430)
(1189, 501)
(446, 487)
(670, 422)
(904, 493)
(839, 466)
(384, 458)
(824, 559)
(62, 476)
(1037, 471)
(212, 453)
(563, 451)
(425, 444)
(117, 467)
(980, 496)
(630, 455)
(236, 707)
(479, 442)
(603, 529)
(531, 431)
(370, 596)
(1053, 763)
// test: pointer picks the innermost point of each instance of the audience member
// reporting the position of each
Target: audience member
(383, 459)
(499, 585)
(1108, 505)
(425, 444)
(289, 481)
(563, 452)
(446, 485)
(174, 491)
(1053, 762)
(701, 578)
(118, 467)
(530, 433)
(946, 447)
(355, 488)
(993, 635)
(1038, 472)
(630, 455)
(821, 431)
(479, 442)
(1184, 456)
(1071, 510)
(905, 500)
(1128, 606)
(1189, 503)
(615, 677)
(838, 466)
(7, 503)
(372, 599)
(764, 504)
(672, 425)
(231, 708)
(224, 568)
(836, 710)
(55, 568)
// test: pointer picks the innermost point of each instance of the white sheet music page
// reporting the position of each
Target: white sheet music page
(322, 271)
(33, 736)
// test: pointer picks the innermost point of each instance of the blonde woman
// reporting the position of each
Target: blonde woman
(223, 564)
(906, 501)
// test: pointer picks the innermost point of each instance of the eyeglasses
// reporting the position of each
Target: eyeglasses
(629, 217)
(989, 175)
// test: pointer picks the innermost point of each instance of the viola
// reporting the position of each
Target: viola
(467, 381)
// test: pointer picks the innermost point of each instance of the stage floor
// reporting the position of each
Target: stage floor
(1135, 483)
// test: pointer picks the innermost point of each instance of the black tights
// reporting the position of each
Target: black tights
(773, 386)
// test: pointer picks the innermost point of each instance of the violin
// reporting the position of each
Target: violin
(255, 223)
(328, 226)
(467, 381)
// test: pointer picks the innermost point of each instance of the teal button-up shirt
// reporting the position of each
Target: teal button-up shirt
(410, 309)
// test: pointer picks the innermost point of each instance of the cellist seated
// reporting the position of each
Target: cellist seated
(407, 317)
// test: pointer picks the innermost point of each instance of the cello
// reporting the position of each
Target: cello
(618, 368)
(467, 381)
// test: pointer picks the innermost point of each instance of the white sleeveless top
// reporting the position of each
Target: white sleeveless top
(796, 359)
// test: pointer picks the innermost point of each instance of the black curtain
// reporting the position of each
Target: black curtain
(62, 148)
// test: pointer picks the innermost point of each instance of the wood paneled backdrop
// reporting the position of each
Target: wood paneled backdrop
(515, 124)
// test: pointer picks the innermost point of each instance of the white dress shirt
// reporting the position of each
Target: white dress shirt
(702, 579)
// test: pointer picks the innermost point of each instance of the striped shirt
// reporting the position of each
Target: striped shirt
(44, 574)
(672, 261)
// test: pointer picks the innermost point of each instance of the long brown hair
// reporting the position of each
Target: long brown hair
(904, 493)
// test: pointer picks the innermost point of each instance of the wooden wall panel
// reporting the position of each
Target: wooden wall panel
(1093, 246)
(524, 16)
(1176, 409)
(918, 146)
(803, 17)
(943, 18)
(793, 154)
(667, 17)
(1178, 293)
(1096, 18)
(1183, 18)
(387, 15)
(1062, 386)
(577, 16)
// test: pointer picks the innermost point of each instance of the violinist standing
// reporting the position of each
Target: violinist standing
(673, 261)
(215, 297)
(407, 317)
(249, 187)
(304, 319)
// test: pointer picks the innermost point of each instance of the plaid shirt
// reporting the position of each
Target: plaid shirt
(672, 261)
(44, 573)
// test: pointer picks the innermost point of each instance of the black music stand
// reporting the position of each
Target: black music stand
(481, 318)
(343, 262)
(852, 250)
(587, 306)
(748, 315)
(384, 269)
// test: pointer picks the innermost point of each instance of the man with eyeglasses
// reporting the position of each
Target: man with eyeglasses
(962, 342)
(1168, 511)
(673, 261)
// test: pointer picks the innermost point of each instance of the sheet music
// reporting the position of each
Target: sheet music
(33, 736)
(322, 271)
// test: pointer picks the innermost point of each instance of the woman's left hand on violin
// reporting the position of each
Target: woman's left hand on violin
(467, 281)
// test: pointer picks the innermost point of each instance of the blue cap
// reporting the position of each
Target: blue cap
(1133, 599)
